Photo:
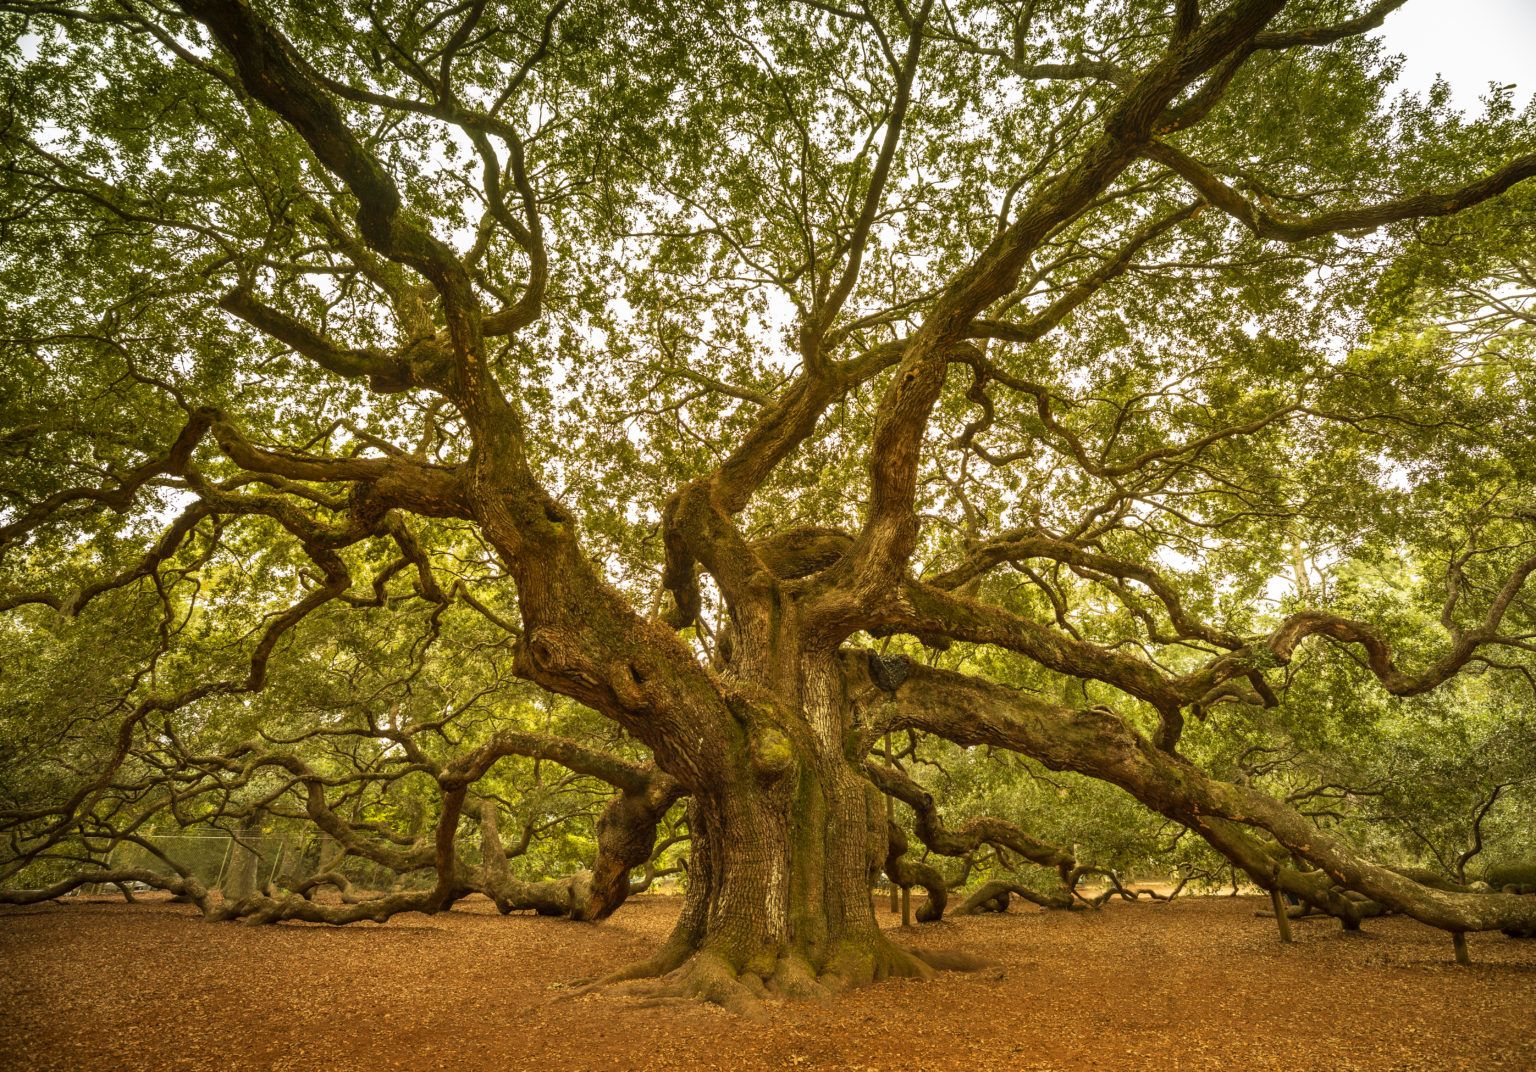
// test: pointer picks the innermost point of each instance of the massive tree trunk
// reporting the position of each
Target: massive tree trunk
(787, 840)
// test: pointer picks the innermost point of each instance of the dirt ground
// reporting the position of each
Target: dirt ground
(102, 986)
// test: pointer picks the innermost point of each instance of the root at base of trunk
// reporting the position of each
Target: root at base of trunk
(678, 974)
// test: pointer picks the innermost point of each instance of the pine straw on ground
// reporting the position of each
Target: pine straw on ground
(1200, 984)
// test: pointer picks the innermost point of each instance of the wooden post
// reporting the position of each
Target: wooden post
(1459, 943)
(906, 906)
(279, 861)
(223, 863)
(890, 817)
(1281, 916)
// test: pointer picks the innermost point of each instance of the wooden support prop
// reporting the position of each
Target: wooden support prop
(1281, 917)
(1459, 943)
(890, 817)
(906, 906)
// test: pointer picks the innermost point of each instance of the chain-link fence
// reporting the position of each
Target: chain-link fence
(208, 857)
(239, 864)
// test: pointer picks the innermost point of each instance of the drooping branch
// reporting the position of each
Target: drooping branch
(959, 841)
(626, 828)
(626, 839)
(906, 873)
(1099, 743)
(549, 897)
(993, 895)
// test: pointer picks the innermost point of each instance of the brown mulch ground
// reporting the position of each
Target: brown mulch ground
(1199, 984)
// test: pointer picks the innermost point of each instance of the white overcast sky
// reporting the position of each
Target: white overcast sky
(1469, 42)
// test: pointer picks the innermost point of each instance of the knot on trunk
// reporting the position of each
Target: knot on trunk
(888, 671)
(772, 753)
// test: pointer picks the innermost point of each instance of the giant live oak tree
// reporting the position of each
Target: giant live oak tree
(769, 379)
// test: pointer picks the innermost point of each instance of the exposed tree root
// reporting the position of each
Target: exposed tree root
(953, 960)
(697, 976)
(678, 973)
(669, 957)
(708, 977)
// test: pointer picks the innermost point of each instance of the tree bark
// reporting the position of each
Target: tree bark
(787, 840)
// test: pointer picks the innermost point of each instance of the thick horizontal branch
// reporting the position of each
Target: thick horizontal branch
(1288, 228)
(386, 372)
(924, 609)
(1371, 19)
(1020, 547)
(583, 759)
(906, 873)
